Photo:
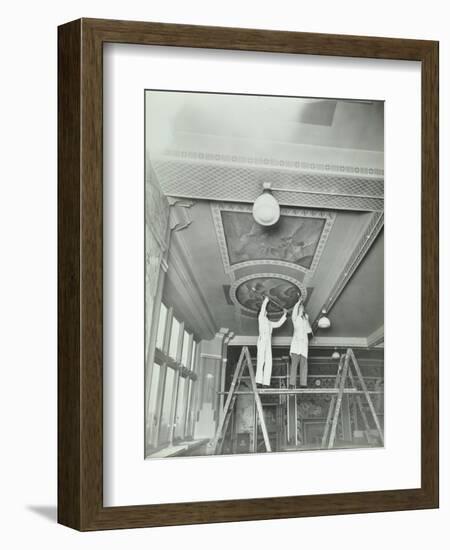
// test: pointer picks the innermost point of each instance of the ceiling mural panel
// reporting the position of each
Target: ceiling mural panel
(297, 240)
(293, 240)
(283, 292)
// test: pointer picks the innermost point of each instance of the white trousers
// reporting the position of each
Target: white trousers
(264, 363)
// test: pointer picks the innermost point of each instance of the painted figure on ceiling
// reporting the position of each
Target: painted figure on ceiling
(299, 345)
(281, 293)
(264, 345)
(293, 239)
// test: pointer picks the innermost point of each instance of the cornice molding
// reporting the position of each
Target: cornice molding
(302, 165)
(377, 337)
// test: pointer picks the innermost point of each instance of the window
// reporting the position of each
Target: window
(167, 405)
(152, 418)
(194, 350)
(185, 354)
(170, 393)
(189, 411)
(174, 333)
(179, 416)
(161, 326)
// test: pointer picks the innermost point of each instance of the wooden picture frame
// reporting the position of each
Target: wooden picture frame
(80, 271)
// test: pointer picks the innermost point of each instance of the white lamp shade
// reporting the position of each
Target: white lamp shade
(266, 210)
(324, 322)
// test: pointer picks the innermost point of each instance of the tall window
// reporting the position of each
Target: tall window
(166, 422)
(152, 411)
(193, 358)
(189, 423)
(171, 384)
(189, 410)
(185, 353)
(174, 333)
(179, 417)
(161, 326)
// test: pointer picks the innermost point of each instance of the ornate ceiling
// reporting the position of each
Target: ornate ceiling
(331, 196)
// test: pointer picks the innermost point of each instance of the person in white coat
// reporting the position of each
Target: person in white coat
(299, 345)
(264, 345)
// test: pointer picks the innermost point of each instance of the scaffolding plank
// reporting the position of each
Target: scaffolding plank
(316, 391)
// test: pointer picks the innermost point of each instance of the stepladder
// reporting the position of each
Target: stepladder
(245, 362)
(345, 378)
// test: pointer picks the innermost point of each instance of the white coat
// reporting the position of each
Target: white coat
(264, 345)
(302, 328)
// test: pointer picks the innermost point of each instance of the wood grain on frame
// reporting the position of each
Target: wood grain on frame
(80, 264)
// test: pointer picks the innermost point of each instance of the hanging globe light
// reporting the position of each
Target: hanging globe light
(324, 322)
(266, 210)
(335, 354)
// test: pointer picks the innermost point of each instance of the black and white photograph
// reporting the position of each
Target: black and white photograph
(264, 274)
(206, 339)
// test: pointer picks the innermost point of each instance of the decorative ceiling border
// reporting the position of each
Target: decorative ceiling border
(237, 284)
(217, 208)
(225, 182)
(371, 232)
(376, 338)
(278, 163)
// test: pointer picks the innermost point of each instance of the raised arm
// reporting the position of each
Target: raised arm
(281, 320)
(295, 310)
(264, 306)
(308, 328)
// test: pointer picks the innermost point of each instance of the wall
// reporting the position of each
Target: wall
(28, 273)
(156, 244)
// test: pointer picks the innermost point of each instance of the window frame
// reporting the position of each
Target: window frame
(165, 361)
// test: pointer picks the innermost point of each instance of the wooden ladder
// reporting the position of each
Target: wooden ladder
(344, 370)
(216, 444)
